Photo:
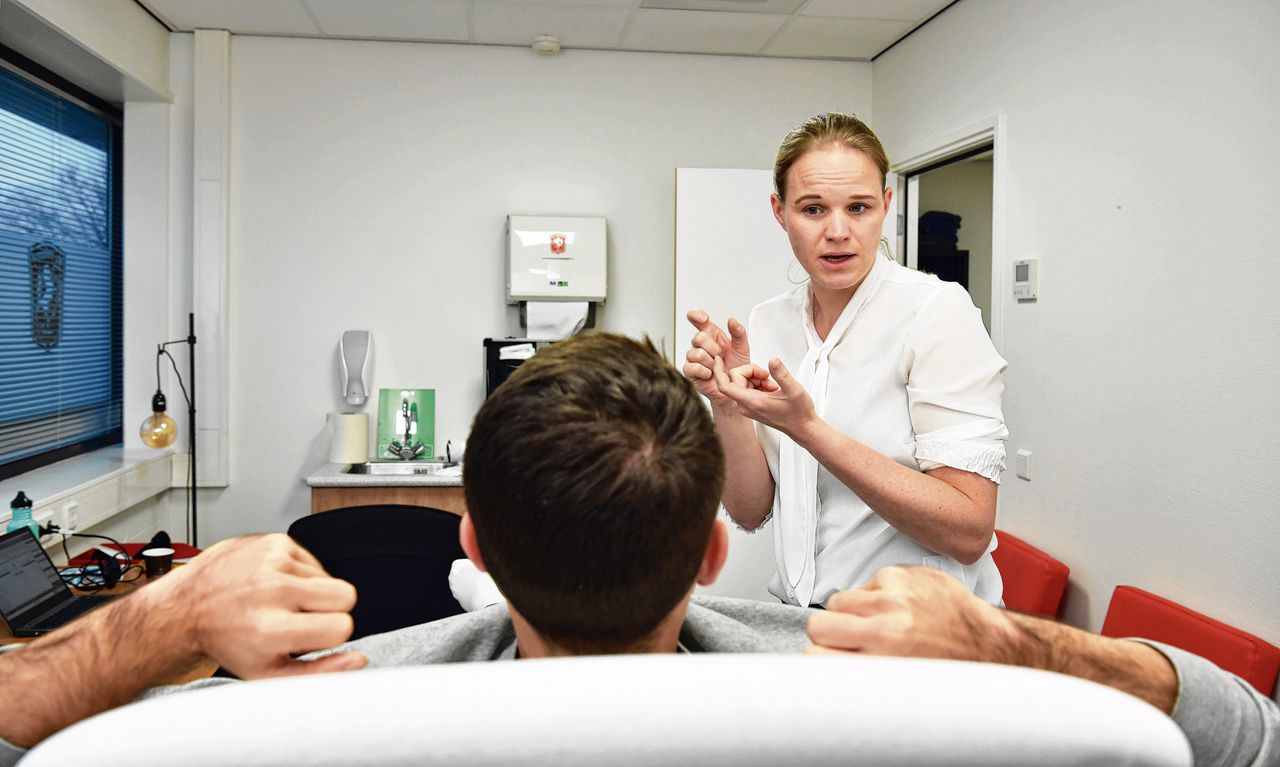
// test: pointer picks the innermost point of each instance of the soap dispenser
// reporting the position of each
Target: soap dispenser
(20, 508)
(354, 352)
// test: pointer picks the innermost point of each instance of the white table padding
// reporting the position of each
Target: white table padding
(699, 710)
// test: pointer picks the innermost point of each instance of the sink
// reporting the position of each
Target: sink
(398, 468)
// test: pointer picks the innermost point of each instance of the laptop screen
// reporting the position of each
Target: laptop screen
(27, 577)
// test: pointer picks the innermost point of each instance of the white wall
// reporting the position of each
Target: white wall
(157, 264)
(369, 185)
(1142, 171)
(964, 188)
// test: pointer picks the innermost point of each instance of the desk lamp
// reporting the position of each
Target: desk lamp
(159, 430)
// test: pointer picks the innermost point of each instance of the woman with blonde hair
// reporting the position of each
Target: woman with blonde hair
(873, 431)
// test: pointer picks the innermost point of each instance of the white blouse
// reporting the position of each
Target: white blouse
(908, 370)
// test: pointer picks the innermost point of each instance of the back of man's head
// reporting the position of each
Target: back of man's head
(592, 478)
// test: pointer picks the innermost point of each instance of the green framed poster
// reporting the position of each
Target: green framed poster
(406, 424)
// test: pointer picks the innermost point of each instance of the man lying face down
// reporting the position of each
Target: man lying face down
(592, 479)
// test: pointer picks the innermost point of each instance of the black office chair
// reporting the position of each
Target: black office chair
(397, 557)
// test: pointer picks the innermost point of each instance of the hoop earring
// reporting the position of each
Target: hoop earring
(887, 250)
(792, 280)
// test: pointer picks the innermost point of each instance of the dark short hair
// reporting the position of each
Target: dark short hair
(593, 475)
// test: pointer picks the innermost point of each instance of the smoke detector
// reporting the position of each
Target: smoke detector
(547, 45)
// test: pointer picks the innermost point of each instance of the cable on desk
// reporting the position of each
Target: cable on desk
(94, 583)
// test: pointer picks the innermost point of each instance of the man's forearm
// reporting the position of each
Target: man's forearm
(1131, 667)
(102, 661)
(250, 604)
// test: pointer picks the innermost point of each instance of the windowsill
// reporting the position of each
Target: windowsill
(96, 485)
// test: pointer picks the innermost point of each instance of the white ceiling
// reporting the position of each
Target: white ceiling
(855, 30)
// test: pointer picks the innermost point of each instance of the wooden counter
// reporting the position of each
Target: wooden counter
(333, 488)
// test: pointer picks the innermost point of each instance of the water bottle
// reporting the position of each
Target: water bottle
(20, 508)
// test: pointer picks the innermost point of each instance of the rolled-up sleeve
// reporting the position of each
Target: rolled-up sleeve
(954, 387)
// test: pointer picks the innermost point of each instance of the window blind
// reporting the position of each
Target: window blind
(60, 276)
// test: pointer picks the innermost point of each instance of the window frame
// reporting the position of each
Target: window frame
(19, 65)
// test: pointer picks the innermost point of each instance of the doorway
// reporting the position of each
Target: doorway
(977, 152)
(948, 223)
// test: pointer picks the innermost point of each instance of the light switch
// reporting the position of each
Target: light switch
(1023, 462)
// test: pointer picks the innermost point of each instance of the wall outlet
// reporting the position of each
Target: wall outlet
(42, 518)
(1023, 462)
(70, 516)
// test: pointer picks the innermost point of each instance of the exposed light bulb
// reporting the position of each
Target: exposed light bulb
(159, 430)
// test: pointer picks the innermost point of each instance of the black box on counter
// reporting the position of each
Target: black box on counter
(502, 356)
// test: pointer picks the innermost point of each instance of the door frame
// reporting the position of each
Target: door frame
(947, 145)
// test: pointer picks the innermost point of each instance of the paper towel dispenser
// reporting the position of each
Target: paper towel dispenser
(555, 258)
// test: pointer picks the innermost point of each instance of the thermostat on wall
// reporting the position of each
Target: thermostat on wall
(1026, 279)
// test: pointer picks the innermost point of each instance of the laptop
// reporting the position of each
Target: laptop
(33, 598)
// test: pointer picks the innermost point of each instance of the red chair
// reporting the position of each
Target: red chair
(1033, 581)
(1137, 613)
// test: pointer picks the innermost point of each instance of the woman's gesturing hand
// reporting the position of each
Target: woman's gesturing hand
(773, 397)
(708, 344)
